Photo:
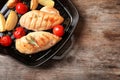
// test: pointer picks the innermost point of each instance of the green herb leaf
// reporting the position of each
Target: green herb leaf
(31, 40)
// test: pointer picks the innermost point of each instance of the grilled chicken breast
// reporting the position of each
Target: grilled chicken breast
(36, 41)
(37, 20)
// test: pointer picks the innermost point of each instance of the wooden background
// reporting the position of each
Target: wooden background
(95, 54)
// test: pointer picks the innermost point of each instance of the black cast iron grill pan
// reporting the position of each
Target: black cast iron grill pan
(71, 16)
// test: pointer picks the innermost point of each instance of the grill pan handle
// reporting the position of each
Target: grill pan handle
(65, 50)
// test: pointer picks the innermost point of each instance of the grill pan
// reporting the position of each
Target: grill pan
(71, 16)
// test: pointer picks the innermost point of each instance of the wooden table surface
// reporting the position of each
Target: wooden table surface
(95, 54)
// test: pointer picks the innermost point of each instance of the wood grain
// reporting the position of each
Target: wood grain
(94, 56)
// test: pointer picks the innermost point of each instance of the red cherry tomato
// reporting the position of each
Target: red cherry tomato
(21, 8)
(58, 30)
(6, 40)
(19, 32)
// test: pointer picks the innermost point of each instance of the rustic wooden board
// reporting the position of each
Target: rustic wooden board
(95, 54)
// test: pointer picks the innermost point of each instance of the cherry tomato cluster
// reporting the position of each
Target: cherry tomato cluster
(6, 40)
